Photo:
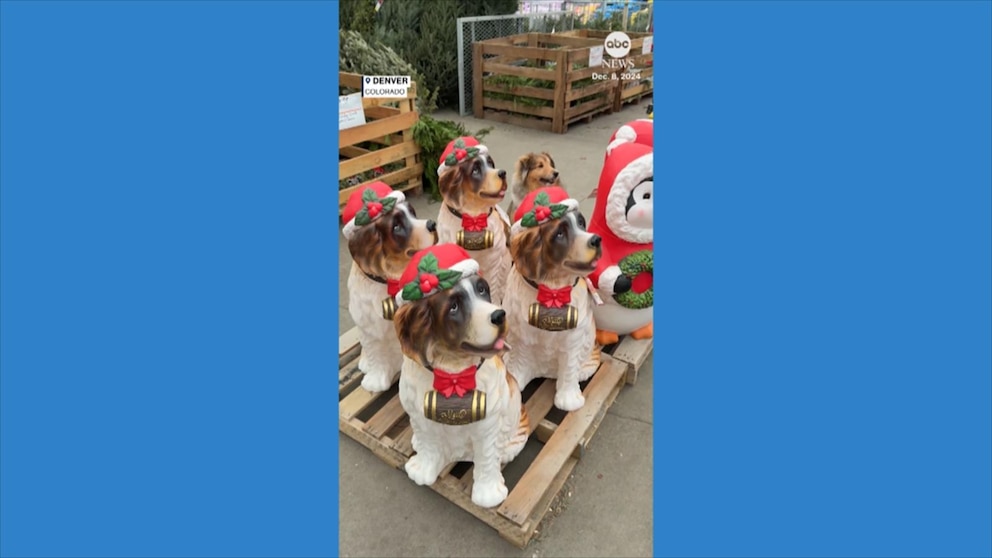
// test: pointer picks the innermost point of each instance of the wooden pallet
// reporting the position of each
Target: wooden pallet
(633, 353)
(378, 422)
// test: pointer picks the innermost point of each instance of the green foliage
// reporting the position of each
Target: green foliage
(433, 136)
(357, 15)
(424, 34)
(436, 51)
(358, 56)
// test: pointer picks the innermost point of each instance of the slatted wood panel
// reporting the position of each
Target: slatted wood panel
(377, 421)
(632, 88)
(388, 127)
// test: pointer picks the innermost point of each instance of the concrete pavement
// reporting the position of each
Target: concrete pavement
(606, 509)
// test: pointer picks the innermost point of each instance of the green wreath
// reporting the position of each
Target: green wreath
(631, 266)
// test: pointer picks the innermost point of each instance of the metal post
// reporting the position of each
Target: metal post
(626, 13)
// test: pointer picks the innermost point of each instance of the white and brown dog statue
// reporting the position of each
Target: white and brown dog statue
(472, 188)
(463, 404)
(548, 303)
(383, 233)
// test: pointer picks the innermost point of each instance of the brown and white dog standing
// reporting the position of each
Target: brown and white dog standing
(532, 171)
(472, 188)
(548, 305)
(383, 233)
(462, 403)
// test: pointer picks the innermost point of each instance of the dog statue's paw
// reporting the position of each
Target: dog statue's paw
(489, 494)
(422, 470)
(376, 382)
(569, 400)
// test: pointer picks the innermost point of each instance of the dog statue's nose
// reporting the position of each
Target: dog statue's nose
(555, 174)
(498, 317)
(595, 241)
(431, 226)
(501, 173)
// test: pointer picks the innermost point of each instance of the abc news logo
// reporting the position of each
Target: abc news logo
(617, 44)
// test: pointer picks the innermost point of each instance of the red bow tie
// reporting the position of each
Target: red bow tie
(475, 223)
(553, 298)
(392, 286)
(460, 383)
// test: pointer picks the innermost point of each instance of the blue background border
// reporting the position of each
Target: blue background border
(168, 269)
(169, 279)
(823, 340)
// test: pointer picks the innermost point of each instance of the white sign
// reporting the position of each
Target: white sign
(385, 87)
(350, 111)
(648, 46)
(595, 57)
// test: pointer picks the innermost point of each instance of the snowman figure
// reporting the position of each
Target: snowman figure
(624, 218)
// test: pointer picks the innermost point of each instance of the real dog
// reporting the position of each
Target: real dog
(548, 304)
(462, 403)
(531, 172)
(472, 188)
(383, 233)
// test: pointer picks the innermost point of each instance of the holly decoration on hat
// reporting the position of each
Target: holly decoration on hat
(460, 152)
(430, 278)
(373, 206)
(543, 210)
(633, 266)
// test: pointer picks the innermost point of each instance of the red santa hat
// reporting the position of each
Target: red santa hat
(638, 131)
(626, 166)
(542, 205)
(367, 204)
(433, 270)
(458, 149)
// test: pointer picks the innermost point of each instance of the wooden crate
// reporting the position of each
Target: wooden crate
(377, 421)
(629, 90)
(387, 136)
(538, 80)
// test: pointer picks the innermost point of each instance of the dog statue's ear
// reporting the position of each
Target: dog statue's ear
(414, 323)
(525, 251)
(550, 160)
(366, 249)
(447, 185)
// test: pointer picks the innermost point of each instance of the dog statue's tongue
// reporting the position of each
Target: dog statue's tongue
(499, 344)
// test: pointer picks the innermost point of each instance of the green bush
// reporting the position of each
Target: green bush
(357, 15)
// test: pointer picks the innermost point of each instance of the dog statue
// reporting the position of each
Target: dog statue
(383, 233)
(548, 303)
(471, 217)
(462, 403)
(532, 171)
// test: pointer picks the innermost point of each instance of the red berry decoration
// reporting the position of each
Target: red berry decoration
(428, 281)
(542, 212)
(460, 154)
(374, 209)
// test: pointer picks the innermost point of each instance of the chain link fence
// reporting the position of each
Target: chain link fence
(618, 15)
(473, 29)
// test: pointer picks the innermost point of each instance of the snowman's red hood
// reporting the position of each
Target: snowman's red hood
(625, 167)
